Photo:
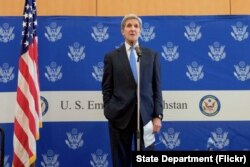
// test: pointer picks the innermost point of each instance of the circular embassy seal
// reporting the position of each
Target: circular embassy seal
(209, 105)
(44, 105)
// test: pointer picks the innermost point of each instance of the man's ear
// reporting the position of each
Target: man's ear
(122, 32)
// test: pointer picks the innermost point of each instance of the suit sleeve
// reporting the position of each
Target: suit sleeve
(107, 80)
(157, 86)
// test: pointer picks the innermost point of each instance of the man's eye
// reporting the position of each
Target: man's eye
(129, 25)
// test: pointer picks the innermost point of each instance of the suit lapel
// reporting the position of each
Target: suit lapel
(142, 61)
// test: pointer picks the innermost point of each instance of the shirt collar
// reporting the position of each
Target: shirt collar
(127, 46)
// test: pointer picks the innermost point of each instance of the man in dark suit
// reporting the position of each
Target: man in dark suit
(119, 88)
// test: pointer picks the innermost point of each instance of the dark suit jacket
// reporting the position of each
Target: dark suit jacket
(119, 87)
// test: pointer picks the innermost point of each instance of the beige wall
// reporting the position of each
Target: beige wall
(162, 7)
(122, 7)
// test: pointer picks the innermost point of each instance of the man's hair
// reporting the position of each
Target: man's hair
(128, 17)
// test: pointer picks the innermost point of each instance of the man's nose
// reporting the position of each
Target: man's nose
(133, 27)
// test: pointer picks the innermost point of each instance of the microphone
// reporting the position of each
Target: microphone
(138, 52)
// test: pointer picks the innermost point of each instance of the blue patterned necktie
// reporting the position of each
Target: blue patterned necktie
(132, 62)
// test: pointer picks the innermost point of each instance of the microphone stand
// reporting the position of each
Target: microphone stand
(138, 133)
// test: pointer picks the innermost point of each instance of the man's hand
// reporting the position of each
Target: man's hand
(156, 125)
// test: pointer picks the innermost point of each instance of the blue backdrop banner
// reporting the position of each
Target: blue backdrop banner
(205, 68)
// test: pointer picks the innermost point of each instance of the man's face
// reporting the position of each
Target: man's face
(131, 31)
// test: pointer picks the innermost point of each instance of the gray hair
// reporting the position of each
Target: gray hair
(128, 17)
